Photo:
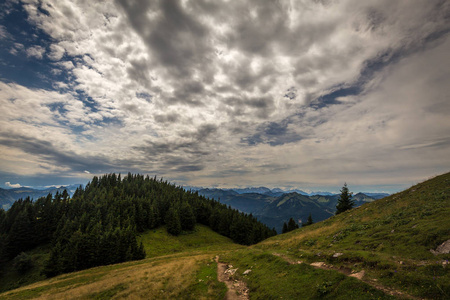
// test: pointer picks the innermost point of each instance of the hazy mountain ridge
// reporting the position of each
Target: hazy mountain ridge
(274, 207)
(8, 196)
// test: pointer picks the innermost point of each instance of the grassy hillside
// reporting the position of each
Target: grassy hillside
(389, 239)
(176, 267)
(386, 242)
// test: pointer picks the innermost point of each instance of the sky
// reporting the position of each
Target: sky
(294, 94)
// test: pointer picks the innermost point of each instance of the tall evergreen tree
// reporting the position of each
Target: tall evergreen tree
(345, 201)
(308, 222)
(292, 225)
(173, 223)
(187, 217)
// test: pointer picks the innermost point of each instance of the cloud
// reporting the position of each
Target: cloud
(36, 52)
(316, 87)
(13, 185)
(56, 52)
(3, 33)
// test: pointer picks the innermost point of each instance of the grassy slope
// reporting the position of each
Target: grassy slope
(181, 268)
(389, 238)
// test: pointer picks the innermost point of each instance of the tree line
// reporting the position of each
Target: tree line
(100, 223)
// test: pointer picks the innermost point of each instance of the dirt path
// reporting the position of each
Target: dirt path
(237, 290)
(350, 273)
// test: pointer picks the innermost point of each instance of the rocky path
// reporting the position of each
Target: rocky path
(237, 290)
(350, 273)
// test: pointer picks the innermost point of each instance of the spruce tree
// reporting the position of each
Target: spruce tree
(173, 223)
(285, 229)
(309, 221)
(345, 201)
(187, 217)
(292, 225)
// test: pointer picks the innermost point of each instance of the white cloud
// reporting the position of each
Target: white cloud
(56, 52)
(13, 186)
(199, 87)
(3, 32)
(36, 52)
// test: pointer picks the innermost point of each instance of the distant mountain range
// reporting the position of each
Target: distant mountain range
(271, 206)
(276, 206)
(8, 196)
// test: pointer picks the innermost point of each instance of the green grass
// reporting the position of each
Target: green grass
(206, 284)
(109, 293)
(273, 278)
(389, 238)
(158, 242)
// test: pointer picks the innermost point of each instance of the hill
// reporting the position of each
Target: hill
(389, 239)
(176, 268)
(99, 225)
(380, 250)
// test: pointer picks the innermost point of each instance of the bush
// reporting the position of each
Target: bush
(23, 263)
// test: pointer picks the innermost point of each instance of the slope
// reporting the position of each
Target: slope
(390, 239)
(176, 267)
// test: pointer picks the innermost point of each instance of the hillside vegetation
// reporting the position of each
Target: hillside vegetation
(180, 267)
(390, 239)
(380, 250)
(100, 223)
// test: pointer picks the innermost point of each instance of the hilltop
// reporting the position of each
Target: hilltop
(380, 250)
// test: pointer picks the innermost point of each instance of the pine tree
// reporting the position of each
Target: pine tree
(285, 229)
(309, 221)
(173, 223)
(187, 217)
(292, 225)
(345, 201)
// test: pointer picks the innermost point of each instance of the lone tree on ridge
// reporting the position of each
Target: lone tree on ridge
(345, 201)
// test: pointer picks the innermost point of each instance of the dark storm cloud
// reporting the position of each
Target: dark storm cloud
(274, 134)
(49, 152)
(184, 155)
(176, 38)
(203, 133)
(189, 168)
(260, 107)
(167, 118)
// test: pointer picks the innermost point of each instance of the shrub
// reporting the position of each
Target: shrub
(23, 263)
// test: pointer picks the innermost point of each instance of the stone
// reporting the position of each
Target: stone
(337, 254)
(359, 275)
(246, 272)
(443, 248)
(318, 264)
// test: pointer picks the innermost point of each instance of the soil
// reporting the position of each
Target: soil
(237, 290)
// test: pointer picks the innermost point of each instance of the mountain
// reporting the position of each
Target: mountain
(252, 190)
(245, 202)
(377, 195)
(291, 205)
(380, 250)
(273, 209)
(8, 196)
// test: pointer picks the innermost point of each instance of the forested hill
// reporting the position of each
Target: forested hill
(99, 224)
